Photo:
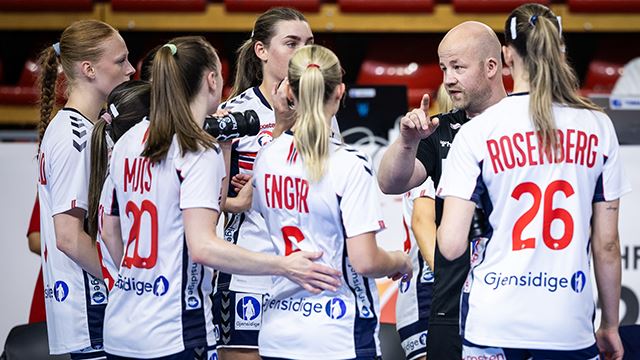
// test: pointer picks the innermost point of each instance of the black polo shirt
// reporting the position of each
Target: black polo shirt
(449, 275)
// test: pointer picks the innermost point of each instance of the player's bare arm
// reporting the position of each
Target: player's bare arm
(399, 169)
(74, 242)
(423, 223)
(605, 244)
(453, 232)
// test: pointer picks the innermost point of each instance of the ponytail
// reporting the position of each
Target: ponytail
(98, 173)
(127, 104)
(177, 74)
(312, 133)
(535, 32)
(248, 69)
(314, 73)
(48, 62)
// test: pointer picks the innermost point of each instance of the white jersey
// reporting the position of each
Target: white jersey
(248, 229)
(108, 206)
(407, 305)
(320, 216)
(529, 285)
(74, 299)
(160, 303)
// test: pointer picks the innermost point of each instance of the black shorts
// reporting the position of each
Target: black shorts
(238, 317)
(358, 358)
(473, 351)
(444, 342)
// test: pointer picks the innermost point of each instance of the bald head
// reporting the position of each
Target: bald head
(472, 36)
(471, 63)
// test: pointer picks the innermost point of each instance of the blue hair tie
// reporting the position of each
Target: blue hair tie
(533, 20)
(56, 48)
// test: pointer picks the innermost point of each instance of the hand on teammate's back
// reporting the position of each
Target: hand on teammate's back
(312, 276)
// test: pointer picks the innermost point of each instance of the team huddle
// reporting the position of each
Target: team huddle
(131, 195)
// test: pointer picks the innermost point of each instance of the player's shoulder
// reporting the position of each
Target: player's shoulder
(511, 106)
(67, 120)
(133, 138)
(203, 157)
(347, 157)
(69, 129)
(345, 150)
(275, 152)
(252, 98)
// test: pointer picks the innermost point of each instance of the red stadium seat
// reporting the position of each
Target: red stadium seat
(26, 91)
(599, 6)
(46, 5)
(601, 76)
(30, 73)
(158, 5)
(264, 5)
(386, 5)
(418, 73)
(488, 6)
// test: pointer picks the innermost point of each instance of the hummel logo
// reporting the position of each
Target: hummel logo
(445, 143)
(78, 146)
(80, 134)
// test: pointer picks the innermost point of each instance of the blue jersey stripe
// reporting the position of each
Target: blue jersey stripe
(95, 313)
(194, 330)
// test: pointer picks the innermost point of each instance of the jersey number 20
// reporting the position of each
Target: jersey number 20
(549, 214)
(135, 212)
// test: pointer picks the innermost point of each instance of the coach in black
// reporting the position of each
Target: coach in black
(472, 71)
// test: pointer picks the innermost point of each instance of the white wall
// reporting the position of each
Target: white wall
(630, 238)
(18, 266)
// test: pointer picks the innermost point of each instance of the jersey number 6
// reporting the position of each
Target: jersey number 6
(288, 233)
(549, 214)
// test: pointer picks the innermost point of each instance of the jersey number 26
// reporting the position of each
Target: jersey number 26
(549, 215)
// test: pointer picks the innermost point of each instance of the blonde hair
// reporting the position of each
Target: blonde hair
(178, 72)
(537, 39)
(314, 73)
(80, 41)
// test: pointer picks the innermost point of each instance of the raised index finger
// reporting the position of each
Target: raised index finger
(424, 104)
